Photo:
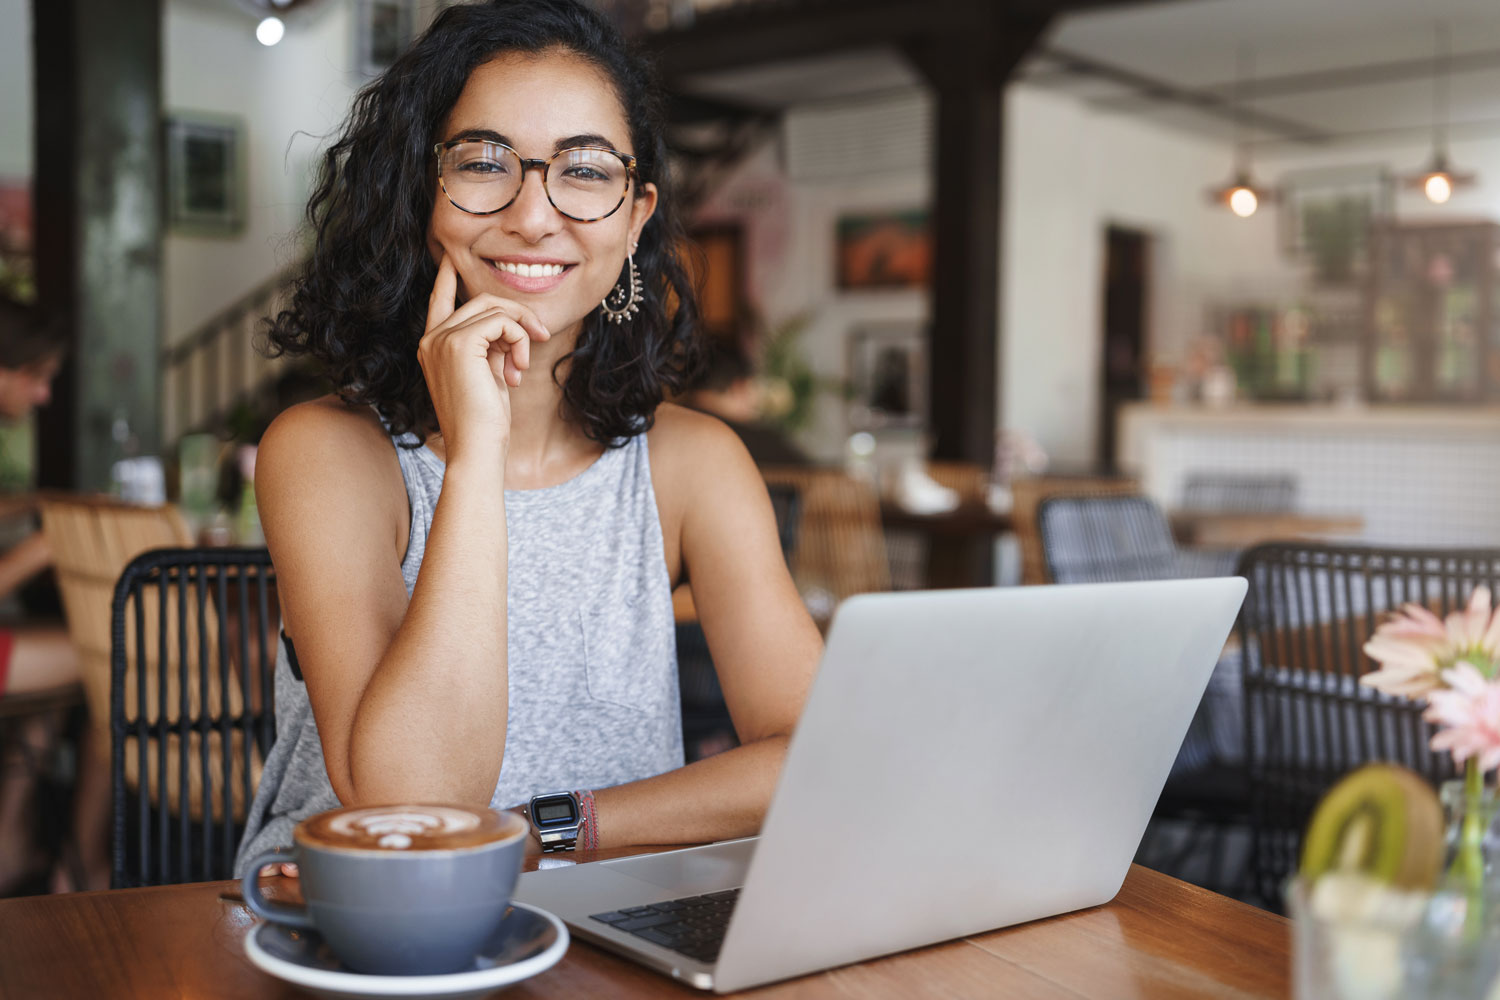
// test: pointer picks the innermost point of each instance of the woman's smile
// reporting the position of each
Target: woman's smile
(529, 275)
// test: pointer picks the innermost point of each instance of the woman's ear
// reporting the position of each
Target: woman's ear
(642, 207)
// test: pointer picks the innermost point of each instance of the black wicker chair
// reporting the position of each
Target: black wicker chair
(192, 655)
(706, 724)
(1308, 721)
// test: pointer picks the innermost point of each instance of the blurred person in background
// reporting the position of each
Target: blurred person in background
(37, 658)
(730, 391)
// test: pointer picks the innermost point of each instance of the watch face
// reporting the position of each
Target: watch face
(554, 811)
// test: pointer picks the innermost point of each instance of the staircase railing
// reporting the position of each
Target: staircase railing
(212, 370)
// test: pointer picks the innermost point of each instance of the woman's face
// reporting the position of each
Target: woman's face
(538, 104)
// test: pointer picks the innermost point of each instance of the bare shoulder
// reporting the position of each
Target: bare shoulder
(328, 450)
(692, 450)
(322, 430)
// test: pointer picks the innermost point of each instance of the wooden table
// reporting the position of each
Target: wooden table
(960, 542)
(1158, 939)
(1241, 530)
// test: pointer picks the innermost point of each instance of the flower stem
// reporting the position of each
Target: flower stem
(1468, 862)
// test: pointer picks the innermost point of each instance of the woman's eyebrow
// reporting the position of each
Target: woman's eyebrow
(586, 139)
(479, 133)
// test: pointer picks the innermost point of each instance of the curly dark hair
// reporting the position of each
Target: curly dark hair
(359, 308)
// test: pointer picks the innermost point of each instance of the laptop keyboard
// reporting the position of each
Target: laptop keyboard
(692, 925)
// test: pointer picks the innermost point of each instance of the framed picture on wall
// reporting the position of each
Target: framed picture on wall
(1326, 214)
(205, 174)
(383, 30)
(884, 250)
(888, 375)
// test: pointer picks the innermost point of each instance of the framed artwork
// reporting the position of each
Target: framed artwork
(884, 250)
(888, 376)
(1325, 216)
(205, 174)
(383, 30)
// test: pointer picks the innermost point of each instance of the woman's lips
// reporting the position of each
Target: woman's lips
(532, 283)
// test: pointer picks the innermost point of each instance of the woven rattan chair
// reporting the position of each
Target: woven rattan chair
(1308, 721)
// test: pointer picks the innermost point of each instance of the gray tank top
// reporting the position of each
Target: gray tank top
(592, 649)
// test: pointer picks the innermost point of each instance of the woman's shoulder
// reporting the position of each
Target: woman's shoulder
(327, 438)
(688, 435)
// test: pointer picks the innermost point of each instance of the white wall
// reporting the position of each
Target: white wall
(1070, 173)
(15, 89)
(214, 64)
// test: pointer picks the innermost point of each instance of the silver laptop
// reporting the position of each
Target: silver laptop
(967, 760)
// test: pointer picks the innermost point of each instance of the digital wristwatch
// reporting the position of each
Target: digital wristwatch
(556, 818)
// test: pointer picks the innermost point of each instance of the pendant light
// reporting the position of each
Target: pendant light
(1241, 195)
(1438, 180)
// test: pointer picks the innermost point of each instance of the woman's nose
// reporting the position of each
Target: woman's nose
(531, 216)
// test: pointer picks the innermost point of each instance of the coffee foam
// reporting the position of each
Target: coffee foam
(403, 828)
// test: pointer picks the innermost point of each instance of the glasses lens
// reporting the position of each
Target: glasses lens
(587, 183)
(480, 176)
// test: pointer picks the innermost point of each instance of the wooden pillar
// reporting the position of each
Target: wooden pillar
(98, 201)
(968, 68)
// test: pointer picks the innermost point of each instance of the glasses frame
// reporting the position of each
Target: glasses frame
(632, 176)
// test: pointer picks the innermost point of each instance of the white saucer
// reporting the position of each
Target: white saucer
(529, 941)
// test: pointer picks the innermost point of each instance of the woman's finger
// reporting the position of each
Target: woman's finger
(485, 303)
(440, 304)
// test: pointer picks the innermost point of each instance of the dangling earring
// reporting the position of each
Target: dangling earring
(626, 299)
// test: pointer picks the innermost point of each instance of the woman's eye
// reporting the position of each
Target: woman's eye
(481, 167)
(586, 174)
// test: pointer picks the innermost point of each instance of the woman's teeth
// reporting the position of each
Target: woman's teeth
(530, 270)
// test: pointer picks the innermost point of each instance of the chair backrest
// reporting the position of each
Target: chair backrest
(1027, 494)
(92, 539)
(193, 654)
(1235, 492)
(1096, 539)
(1309, 610)
(839, 545)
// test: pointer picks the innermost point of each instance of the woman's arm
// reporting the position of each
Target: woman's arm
(765, 646)
(410, 699)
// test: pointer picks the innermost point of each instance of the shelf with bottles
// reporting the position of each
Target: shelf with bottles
(1432, 314)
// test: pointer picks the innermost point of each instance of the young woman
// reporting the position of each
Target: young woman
(476, 542)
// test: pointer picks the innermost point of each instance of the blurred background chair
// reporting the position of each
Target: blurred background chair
(1248, 492)
(1308, 721)
(91, 539)
(1098, 539)
(1092, 539)
(1028, 492)
(193, 653)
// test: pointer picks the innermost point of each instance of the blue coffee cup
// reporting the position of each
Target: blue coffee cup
(399, 890)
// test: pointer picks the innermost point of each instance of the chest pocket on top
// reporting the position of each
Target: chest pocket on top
(626, 661)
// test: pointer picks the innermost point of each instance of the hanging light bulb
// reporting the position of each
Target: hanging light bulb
(1438, 180)
(1243, 201)
(1241, 195)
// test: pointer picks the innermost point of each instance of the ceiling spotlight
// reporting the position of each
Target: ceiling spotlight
(269, 31)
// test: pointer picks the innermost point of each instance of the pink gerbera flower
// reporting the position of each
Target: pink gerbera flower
(1415, 646)
(1468, 716)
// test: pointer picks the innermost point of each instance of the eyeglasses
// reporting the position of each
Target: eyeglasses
(482, 177)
